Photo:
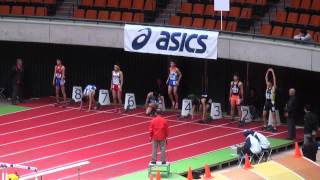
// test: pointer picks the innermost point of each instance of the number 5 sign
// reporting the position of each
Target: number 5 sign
(130, 101)
(77, 93)
(216, 111)
(104, 98)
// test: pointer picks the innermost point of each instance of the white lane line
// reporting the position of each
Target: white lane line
(34, 117)
(173, 149)
(28, 109)
(77, 138)
(65, 130)
(118, 151)
(49, 124)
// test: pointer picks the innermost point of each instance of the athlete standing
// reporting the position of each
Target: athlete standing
(59, 80)
(235, 96)
(116, 85)
(173, 83)
(269, 104)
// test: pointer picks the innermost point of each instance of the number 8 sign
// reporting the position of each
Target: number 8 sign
(130, 101)
(77, 93)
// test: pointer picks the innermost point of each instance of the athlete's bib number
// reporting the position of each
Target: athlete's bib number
(186, 107)
(216, 111)
(130, 101)
(104, 98)
(245, 114)
(77, 93)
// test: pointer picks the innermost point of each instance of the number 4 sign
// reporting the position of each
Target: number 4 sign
(186, 107)
(104, 98)
(77, 93)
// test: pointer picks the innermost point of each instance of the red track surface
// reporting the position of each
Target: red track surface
(115, 144)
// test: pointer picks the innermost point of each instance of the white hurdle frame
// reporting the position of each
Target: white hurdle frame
(4, 167)
(58, 169)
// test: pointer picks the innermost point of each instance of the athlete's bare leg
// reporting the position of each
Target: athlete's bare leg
(232, 108)
(170, 89)
(119, 97)
(57, 94)
(264, 118)
(239, 112)
(114, 97)
(176, 97)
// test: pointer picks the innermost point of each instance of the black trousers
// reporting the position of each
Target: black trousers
(16, 93)
(291, 127)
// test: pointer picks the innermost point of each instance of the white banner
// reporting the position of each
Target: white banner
(171, 41)
(222, 5)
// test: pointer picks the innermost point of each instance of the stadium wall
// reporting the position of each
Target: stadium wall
(86, 64)
(230, 46)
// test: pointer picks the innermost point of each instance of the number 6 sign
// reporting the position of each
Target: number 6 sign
(130, 101)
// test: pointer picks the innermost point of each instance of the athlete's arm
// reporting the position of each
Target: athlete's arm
(266, 77)
(148, 97)
(179, 74)
(121, 79)
(111, 80)
(274, 78)
(241, 89)
(230, 91)
(54, 75)
(63, 72)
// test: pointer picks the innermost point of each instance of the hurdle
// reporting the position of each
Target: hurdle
(55, 170)
(4, 167)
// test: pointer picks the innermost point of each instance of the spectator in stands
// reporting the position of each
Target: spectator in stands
(173, 83)
(291, 113)
(158, 136)
(251, 144)
(311, 124)
(253, 104)
(303, 36)
(17, 75)
(263, 140)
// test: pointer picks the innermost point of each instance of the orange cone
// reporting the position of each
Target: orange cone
(190, 177)
(297, 151)
(247, 164)
(207, 174)
(158, 177)
(151, 176)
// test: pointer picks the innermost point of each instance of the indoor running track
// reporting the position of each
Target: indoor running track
(115, 144)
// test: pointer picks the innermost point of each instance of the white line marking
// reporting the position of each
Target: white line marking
(48, 124)
(34, 117)
(77, 138)
(141, 145)
(65, 130)
(32, 108)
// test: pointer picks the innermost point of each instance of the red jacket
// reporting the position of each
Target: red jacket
(158, 128)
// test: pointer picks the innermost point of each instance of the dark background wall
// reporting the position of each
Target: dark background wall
(94, 65)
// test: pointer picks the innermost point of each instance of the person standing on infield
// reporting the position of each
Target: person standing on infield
(158, 136)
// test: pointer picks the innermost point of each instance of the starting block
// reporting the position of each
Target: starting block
(164, 168)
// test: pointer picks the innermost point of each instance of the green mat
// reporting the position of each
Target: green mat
(214, 158)
(7, 109)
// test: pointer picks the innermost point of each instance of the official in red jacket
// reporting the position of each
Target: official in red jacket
(158, 135)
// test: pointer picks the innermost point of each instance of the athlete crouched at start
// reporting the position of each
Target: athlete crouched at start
(89, 94)
(153, 103)
(205, 107)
